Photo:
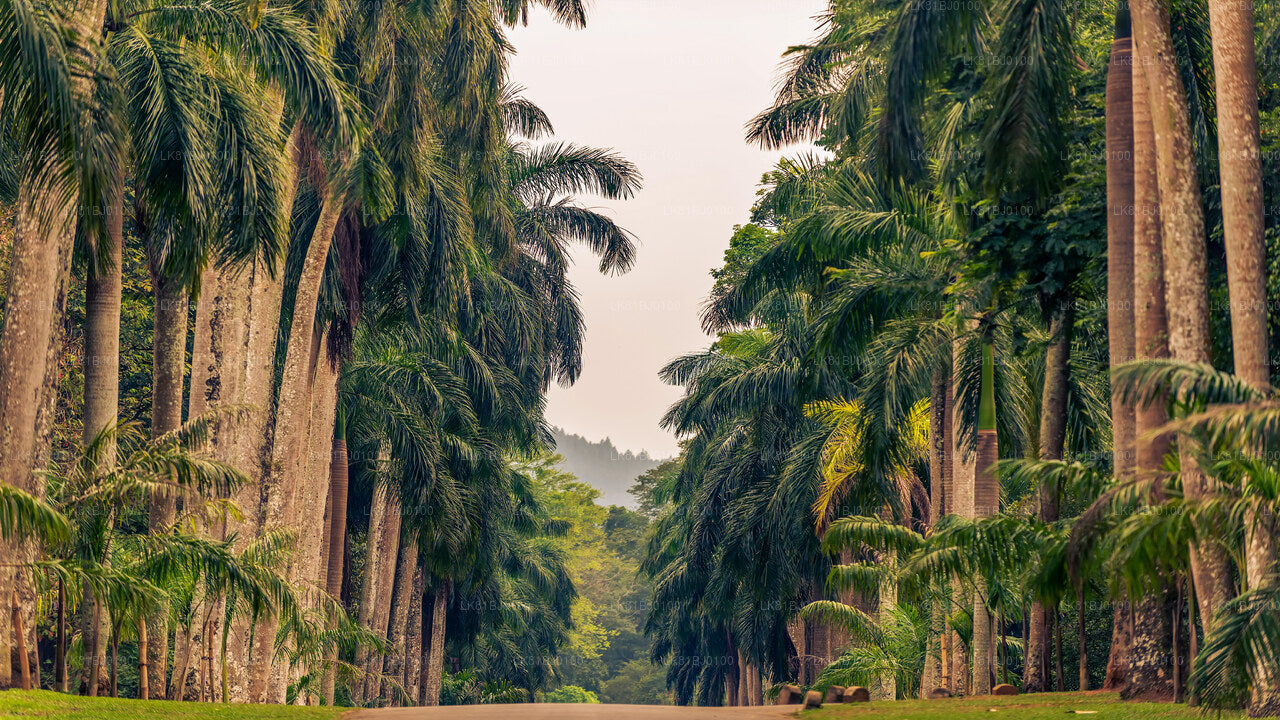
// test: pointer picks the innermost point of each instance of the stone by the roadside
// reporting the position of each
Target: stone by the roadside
(812, 700)
(1004, 689)
(835, 694)
(939, 694)
(857, 694)
(790, 695)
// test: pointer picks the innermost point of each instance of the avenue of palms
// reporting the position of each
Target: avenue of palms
(989, 396)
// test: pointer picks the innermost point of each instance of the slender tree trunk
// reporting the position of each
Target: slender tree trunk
(412, 677)
(337, 534)
(380, 571)
(103, 288)
(397, 630)
(169, 352)
(369, 586)
(19, 641)
(934, 675)
(433, 673)
(1186, 285)
(60, 652)
(986, 502)
(144, 681)
(1081, 638)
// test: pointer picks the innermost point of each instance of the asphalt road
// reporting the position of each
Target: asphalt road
(554, 711)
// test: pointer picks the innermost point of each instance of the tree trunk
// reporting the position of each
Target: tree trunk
(337, 534)
(934, 675)
(168, 352)
(412, 677)
(103, 288)
(397, 630)
(1117, 676)
(1053, 432)
(35, 299)
(986, 502)
(1186, 282)
(433, 673)
(380, 568)
(270, 675)
(1240, 164)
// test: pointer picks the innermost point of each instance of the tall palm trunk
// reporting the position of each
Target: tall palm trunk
(1186, 282)
(381, 550)
(293, 403)
(433, 673)
(986, 502)
(1240, 165)
(934, 676)
(398, 627)
(412, 676)
(1120, 294)
(35, 300)
(957, 474)
(168, 362)
(1148, 657)
(338, 479)
(1053, 431)
(103, 288)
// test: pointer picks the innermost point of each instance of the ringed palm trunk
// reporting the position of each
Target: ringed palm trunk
(168, 361)
(934, 676)
(1186, 282)
(433, 672)
(1148, 665)
(986, 501)
(1120, 298)
(957, 475)
(103, 288)
(1240, 165)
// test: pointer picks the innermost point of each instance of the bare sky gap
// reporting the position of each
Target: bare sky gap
(669, 84)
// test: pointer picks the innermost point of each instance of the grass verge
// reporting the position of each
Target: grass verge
(48, 704)
(1040, 706)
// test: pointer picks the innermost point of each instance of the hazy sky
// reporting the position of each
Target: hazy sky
(669, 84)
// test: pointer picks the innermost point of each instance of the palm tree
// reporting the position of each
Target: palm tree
(1120, 315)
(1240, 163)
(1184, 258)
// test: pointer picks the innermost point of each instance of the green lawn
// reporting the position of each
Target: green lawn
(1043, 706)
(47, 704)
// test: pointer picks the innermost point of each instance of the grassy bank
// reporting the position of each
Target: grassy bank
(47, 704)
(1040, 706)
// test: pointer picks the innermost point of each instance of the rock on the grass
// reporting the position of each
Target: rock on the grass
(1004, 689)
(790, 695)
(939, 694)
(857, 694)
(835, 694)
(812, 700)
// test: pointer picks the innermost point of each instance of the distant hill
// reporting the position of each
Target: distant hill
(604, 466)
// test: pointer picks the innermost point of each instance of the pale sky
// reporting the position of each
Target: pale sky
(669, 84)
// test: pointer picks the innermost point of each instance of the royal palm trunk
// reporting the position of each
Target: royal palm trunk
(986, 500)
(1240, 166)
(433, 672)
(1148, 644)
(1186, 282)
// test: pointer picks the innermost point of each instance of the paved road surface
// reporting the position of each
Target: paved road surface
(554, 711)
